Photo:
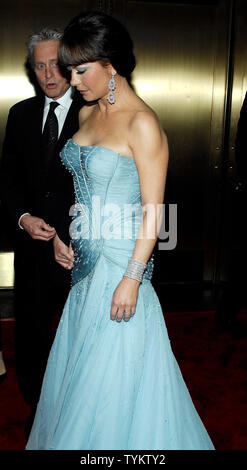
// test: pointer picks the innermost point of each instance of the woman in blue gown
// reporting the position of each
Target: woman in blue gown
(112, 381)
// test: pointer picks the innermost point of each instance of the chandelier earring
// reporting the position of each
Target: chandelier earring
(112, 86)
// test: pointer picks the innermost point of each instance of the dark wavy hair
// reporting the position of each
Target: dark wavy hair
(95, 36)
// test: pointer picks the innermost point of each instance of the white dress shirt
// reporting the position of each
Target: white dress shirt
(61, 112)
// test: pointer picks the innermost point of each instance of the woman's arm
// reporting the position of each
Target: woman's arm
(150, 149)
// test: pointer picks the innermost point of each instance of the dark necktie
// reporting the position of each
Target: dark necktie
(50, 135)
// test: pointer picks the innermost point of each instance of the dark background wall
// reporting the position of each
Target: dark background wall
(192, 70)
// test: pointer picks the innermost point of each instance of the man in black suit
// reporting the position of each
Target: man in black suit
(241, 147)
(233, 298)
(37, 193)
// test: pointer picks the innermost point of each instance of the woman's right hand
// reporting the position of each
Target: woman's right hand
(64, 255)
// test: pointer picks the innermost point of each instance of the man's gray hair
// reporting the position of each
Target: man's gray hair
(46, 34)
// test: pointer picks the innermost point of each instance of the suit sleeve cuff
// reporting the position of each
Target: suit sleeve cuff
(19, 221)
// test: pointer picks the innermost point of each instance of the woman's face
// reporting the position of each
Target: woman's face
(91, 79)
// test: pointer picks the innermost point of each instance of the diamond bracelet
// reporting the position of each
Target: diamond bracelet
(135, 269)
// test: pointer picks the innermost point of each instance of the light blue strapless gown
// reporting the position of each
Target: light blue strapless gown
(111, 385)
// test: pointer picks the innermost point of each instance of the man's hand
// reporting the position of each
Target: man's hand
(64, 254)
(37, 228)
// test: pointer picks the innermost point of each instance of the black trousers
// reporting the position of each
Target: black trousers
(41, 289)
(234, 296)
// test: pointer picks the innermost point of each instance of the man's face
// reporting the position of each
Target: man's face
(46, 69)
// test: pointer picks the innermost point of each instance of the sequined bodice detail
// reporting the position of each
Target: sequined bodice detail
(106, 184)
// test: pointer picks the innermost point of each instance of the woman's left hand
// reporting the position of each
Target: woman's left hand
(64, 254)
(124, 299)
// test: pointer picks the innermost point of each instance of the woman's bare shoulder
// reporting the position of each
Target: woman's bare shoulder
(85, 112)
(144, 121)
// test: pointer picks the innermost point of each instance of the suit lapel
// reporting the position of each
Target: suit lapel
(37, 120)
(35, 131)
(35, 151)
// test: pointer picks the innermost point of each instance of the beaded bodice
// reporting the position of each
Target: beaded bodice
(108, 211)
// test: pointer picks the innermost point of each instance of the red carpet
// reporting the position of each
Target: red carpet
(213, 364)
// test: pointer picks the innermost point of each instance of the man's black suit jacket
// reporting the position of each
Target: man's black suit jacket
(41, 284)
(24, 187)
(241, 145)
